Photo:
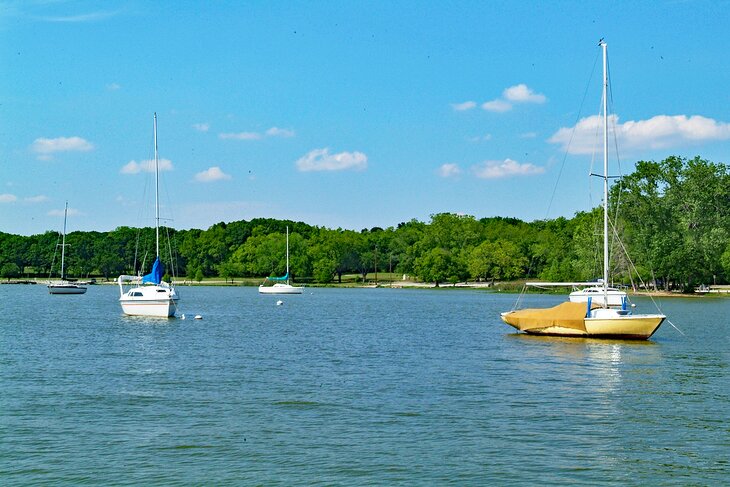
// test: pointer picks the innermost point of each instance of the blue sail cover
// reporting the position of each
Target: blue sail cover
(158, 270)
(282, 278)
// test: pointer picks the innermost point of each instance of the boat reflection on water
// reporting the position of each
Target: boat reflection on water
(602, 362)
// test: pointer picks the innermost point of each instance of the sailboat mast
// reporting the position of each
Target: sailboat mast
(287, 254)
(63, 240)
(605, 176)
(157, 194)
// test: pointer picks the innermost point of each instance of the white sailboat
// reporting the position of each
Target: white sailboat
(64, 286)
(281, 284)
(149, 294)
(589, 318)
(581, 292)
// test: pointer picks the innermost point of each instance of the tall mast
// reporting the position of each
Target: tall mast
(287, 254)
(605, 177)
(63, 241)
(157, 194)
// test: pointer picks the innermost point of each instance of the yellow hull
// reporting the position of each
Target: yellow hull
(639, 327)
(633, 327)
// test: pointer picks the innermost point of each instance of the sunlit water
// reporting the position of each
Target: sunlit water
(353, 387)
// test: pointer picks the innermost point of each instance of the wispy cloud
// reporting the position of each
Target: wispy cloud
(240, 136)
(202, 127)
(87, 17)
(462, 107)
(41, 198)
(449, 170)
(480, 138)
(659, 132)
(113, 87)
(8, 198)
(45, 148)
(322, 160)
(277, 132)
(520, 93)
(503, 169)
(528, 135)
(497, 105)
(211, 174)
(272, 132)
(71, 212)
(134, 167)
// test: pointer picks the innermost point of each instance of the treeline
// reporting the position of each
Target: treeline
(673, 219)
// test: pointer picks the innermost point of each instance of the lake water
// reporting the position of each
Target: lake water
(353, 387)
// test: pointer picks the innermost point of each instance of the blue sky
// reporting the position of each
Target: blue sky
(342, 114)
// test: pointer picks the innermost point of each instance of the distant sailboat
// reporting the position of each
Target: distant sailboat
(282, 285)
(150, 296)
(64, 286)
(586, 317)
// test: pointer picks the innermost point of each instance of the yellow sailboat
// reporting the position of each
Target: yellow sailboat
(573, 319)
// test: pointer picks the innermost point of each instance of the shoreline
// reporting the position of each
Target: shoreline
(486, 286)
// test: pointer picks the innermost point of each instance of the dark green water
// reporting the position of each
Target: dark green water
(353, 387)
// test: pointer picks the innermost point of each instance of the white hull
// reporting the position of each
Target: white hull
(164, 308)
(281, 289)
(65, 288)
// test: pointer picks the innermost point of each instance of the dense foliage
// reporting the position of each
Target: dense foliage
(674, 221)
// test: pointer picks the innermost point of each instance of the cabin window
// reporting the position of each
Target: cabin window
(136, 293)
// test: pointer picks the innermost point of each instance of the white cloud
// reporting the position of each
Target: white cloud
(528, 135)
(71, 212)
(449, 170)
(240, 136)
(47, 147)
(134, 167)
(659, 132)
(202, 127)
(36, 199)
(277, 132)
(90, 17)
(461, 107)
(503, 169)
(272, 132)
(522, 94)
(113, 86)
(480, 138)
(211, 174)
(8, 198)
(322, 160)
(497, 105)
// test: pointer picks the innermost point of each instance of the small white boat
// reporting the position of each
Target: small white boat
(150, 295)
(64, 286)
(584, 291)
(598, 295)
(282, 287)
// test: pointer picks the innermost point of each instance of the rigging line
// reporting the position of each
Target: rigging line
(572, 135)
(53, 260)
(641, 280)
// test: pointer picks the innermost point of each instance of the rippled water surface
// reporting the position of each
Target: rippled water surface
(353, 387)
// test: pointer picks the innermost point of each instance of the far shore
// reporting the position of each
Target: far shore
(497, 287)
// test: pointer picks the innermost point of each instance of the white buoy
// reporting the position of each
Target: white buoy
(279, 302)
(198, 317)
(182, 316)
